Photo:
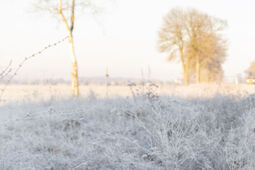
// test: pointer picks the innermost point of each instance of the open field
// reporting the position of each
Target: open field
(38, 93)
(204, 126)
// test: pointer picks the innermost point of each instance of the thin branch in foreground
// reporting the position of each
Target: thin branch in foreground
(6, 71)
(21, 64)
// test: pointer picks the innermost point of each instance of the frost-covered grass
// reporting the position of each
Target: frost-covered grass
(169, 127)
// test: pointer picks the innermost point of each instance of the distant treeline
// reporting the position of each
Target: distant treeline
(88, 81)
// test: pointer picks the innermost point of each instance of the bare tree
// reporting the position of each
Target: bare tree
(204, 38)
(194, 36)
(66, 9)
(211, 54)
(173, 38)
(250, 72)
(213, 58)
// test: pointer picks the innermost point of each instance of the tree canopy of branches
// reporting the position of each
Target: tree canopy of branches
(194, 38)
(210, 56)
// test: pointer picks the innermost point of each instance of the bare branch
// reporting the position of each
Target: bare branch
(15, 72)
(6, 71)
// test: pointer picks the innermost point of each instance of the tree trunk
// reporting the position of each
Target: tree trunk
(75, 82)
(185, 74)
(186, 77)
(187, 71)
(198, 68)
(184, 69)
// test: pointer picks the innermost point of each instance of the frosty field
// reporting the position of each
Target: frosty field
(169, 127)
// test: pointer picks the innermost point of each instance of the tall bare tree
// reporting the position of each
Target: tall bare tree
(195, 36)
(173, 38)
(204, 37)
(66, 9)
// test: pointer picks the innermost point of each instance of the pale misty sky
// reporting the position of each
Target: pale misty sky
(123, 38)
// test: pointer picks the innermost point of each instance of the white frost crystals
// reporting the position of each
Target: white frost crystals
(171, 132)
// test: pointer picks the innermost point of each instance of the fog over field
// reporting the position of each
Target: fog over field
(127, 85)
(205, 126)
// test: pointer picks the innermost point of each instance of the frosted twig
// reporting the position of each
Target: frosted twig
(6, 71)
(24, 61)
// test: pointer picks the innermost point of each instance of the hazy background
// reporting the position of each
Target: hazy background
(123, 38)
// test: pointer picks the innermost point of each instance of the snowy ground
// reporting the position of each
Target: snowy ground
(146, 127)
